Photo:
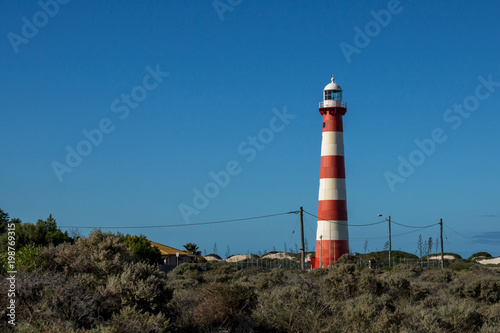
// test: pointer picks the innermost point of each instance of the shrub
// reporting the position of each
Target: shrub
(486, 289)
(368, 283)
(265, 280)
(129, 319)
(28, 258)
(221, 273)
(55, 297)
(224, 305)
(342, 281)
(293, 308)
(140, 248)
(185, 276)
(438, 275)
(368, 313)
(480, 255)
(140, 285)
(408, 271)
(346, 259)
(460, 317)
(182, 306)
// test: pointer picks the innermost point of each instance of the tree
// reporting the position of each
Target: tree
(193, 248)
(140, 248)
(429, 244)
(365, 246)
(228, 252)
(4, 219)
(44, 232)
(215, 248)
(386, 246)
(420, 245)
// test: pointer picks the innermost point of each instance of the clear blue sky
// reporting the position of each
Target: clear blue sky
(228, 69)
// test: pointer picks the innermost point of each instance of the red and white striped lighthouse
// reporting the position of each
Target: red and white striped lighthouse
(332, 239)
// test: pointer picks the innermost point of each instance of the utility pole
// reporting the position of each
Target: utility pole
(441, 235)
(390, 242)
(302, 256)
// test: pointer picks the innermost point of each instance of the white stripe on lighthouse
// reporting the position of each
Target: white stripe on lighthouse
(332, 189)
(332, 144)
(332, 230)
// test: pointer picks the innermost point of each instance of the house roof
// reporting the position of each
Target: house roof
(167, 250)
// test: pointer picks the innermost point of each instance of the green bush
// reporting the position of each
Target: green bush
(129, 319)
(480, 255)
(486, 289)
(293, 308)
(408, 271)
(54, 298)
(221, 273)
(438, 275)
(222, 304)
(139, 285)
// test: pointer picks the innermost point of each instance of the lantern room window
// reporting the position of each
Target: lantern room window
(333, 95)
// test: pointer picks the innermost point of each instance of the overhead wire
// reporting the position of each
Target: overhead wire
(307, 222)
(447, 241)
(293, 231)
(468, 238)
(412, 226)
(178, 225)
(343, 223)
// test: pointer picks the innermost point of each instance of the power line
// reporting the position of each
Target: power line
(447, 241)
(470, 239)
(178, 225)
(411, 226)
(293, 231)
(384, 237)
(307, 222)
(343, 223)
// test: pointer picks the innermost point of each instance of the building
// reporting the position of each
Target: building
(172, 257)
(332, 238)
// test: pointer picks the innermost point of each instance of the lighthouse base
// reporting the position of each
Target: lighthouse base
(328, 252)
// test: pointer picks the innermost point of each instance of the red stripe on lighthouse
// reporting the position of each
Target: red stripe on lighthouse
(328, 251)
(332, 210)
(332, 167)
(332, 123)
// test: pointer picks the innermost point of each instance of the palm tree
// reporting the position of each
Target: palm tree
(192, 248)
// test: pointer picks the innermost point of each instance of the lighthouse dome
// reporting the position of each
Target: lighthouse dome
(332, 95)
(332, 86)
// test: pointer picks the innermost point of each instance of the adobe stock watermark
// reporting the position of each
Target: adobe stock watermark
(30, 28)
(121, 107)
(222, 6)
(10, 267)
(248, 149)
(454, 118)
(372, 29)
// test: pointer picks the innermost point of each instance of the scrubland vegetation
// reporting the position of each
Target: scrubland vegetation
(100, 284)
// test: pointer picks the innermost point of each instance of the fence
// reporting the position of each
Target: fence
(418, 263)
(269, 263)
(289, 264)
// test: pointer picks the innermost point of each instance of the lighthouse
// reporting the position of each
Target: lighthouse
(332, 239)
